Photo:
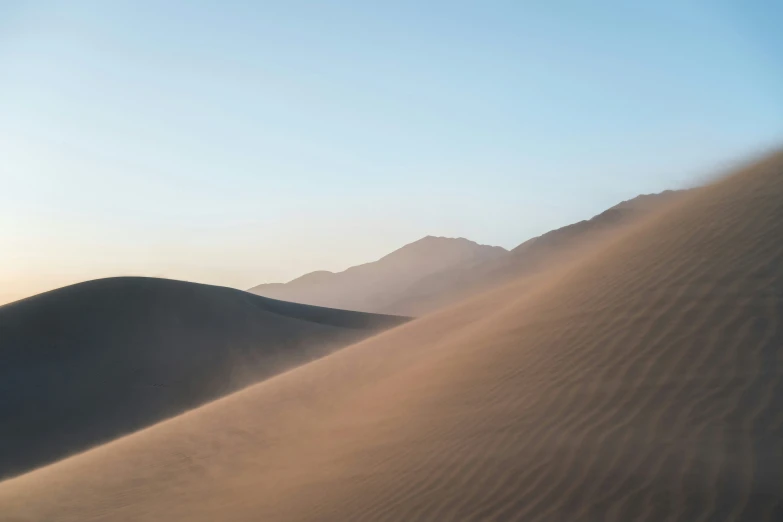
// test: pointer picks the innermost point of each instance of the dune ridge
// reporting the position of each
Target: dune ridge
(643, 383)
(93, 361)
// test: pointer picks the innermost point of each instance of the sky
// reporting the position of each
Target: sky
(244, 142)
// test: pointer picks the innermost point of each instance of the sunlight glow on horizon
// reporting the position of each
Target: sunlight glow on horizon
(234, 144)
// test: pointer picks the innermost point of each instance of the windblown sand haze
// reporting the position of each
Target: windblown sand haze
(642, 383)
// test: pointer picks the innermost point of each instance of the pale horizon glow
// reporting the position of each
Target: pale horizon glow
(238, 144)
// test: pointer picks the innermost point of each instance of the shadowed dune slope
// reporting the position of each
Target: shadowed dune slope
(90, 362)
(643, 383)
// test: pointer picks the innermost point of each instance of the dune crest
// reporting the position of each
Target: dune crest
(644, 383)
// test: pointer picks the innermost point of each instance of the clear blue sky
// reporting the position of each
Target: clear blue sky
(243, 142)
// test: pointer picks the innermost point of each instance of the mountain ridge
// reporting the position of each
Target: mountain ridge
(428, 290)
(371, 286)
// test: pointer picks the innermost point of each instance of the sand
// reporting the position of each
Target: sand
(644, 382)
(90, 362)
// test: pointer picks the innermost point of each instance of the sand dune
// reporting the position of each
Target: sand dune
(643, 383)
(90, 362)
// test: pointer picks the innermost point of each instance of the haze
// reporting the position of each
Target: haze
(450, 261)
(240, 144)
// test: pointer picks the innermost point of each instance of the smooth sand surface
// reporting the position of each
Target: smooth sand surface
(643, 383)
(90, 362)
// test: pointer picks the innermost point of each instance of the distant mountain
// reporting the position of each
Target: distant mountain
(531, 258)
(435, 272)
(87, 363)
(381, 284)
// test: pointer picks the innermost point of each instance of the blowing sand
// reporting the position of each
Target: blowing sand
(643, 383)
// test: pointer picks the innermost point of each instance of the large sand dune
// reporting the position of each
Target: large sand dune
(642, 383)
(90, 362)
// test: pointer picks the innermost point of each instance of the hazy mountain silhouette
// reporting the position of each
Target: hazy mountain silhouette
(435, 272)
(86, 363)
(379, 285)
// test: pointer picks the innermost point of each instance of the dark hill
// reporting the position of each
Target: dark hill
(90, 362)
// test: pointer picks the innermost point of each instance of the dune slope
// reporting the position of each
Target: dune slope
(90, 362)
(643, 383)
